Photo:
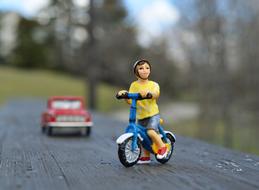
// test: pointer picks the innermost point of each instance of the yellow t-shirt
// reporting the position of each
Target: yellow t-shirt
(147, 107)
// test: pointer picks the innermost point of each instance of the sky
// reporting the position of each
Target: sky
(27, 8)
(151, 17)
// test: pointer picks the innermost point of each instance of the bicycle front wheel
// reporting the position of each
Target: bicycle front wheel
(127, 156)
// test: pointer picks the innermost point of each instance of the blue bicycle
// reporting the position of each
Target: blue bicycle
(130, 142)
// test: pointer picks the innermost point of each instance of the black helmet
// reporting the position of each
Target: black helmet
(140, 62)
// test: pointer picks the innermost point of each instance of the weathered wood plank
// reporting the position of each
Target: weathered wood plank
(30, 160)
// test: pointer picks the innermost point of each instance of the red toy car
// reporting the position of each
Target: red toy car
(66, 112)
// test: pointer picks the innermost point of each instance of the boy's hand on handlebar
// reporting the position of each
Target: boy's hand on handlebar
(145, 94)
(122, 92)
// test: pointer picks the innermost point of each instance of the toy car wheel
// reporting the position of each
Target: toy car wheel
(171, 140)
(43, 129)
(49, 131)
(128, 157)
(86, 131)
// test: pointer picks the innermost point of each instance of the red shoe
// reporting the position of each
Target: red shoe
(162, 153)
(144, 160)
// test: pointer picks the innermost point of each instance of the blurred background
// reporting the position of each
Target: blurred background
(204, 55)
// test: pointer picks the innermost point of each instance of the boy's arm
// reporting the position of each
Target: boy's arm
(155, 91)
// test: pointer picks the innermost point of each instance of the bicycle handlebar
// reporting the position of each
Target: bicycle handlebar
(136, 96)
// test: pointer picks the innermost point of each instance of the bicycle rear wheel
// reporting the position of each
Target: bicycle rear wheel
(170, 139)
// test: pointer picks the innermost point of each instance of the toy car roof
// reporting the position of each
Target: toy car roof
(53, 98)
(66, 98)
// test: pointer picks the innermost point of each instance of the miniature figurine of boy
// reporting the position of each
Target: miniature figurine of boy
(147, 109)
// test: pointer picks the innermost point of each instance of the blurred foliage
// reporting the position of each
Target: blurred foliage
(222, 56)
(243, 139)
(33, 46)
(209, 56)
(59, 38)
(217, 40)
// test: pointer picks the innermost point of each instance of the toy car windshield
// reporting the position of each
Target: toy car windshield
(66, 104)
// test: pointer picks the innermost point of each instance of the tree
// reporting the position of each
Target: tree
(32, 46)
(110, 45)
(247, 80)
(209, 57)
(106, 48)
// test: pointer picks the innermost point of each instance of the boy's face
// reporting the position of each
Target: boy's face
(143, 71)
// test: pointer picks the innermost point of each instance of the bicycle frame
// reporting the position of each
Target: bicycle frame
(138, 130)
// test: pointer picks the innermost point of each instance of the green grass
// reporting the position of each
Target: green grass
(240, 138)
(17, 83)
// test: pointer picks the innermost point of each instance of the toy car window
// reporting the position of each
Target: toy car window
(66, 104)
